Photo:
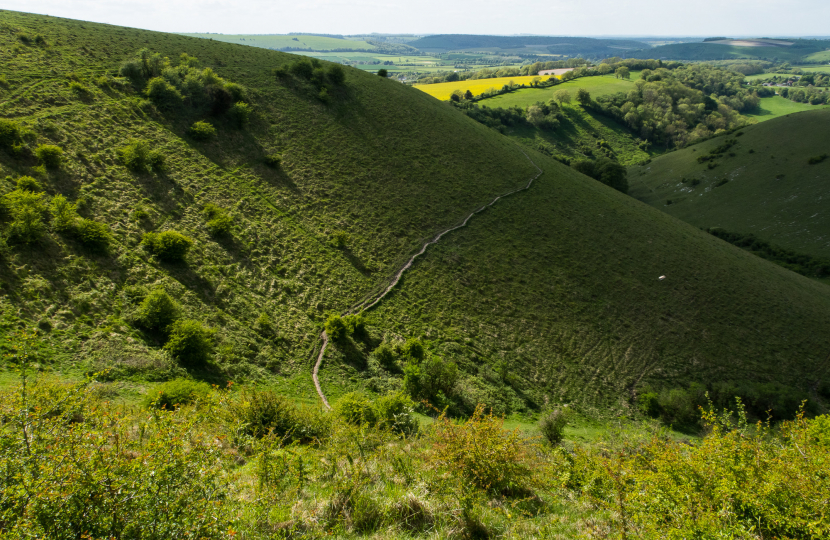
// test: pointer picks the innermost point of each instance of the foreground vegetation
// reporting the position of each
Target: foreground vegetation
(248, 464)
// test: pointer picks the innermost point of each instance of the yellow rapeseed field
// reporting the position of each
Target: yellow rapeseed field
(478, 86)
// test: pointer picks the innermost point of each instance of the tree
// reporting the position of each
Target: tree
(583, 97)
(383, 73)
(468, 95)
(457, 95)
(536, 81)
(605, 69)
(535, 115)
(562, 96)
(622, 72)
(190, 342)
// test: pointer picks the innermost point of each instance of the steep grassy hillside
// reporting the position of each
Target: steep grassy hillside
(801, 50)
(773, 107)
(294, 41)
(553, 294)
(763, 183)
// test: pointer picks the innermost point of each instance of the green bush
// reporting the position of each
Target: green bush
(817, 159)
(260, 412)
(302, 68)
(27, 183)
(170, 246)
(335, 327)
(157, 311)
(336, 74)
(385, 356)
(433, 379)
(50, 155)
(163, 94)
(137, 156)
(273, 160)
(26, 210)
(219, 223)
(80, 89)
(383, 73)
(92, 234)
(414, 349)
(240, 114)
(190, 342)
(552, 425)
(64, 214)
(236, 91)
(202, 131)
(355, 408)
(649, 404)
(177, 392)
(397, 413)
(10, 133)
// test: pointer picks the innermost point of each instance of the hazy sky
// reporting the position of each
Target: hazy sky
(557, 17)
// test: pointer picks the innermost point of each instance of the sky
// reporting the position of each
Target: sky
(758, 18)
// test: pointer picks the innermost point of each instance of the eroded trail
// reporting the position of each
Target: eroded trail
(370, 303)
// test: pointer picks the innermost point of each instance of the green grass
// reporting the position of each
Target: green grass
(776, 106)
(560, 282)
(773, 193)
(277, 41)
(802, 50)
(597, 86)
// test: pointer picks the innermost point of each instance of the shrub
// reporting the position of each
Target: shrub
(50, 155)
(273, 160)
(177, 392)
(80, 90)
(219, 223)
(552, 426)
(385, 355)
(433, 379)
(163, 94)
(93, 234)
(236, 91)
(817, 159)
(157, 311)
(336, 74)
(302, 68)
(260, 412)
(340, 239)
(355, 324)
(481, 452)
(383, 73)
(170, 246)
(27, 183)
(240, 114)
(335, 327)
(64, 214)
(190, 342)
(202, 131)
(10, 133)
(649, 404)
(26, 210)
(355, 408)
(397, 413)
(137, 156)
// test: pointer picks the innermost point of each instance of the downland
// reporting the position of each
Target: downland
(298, 204)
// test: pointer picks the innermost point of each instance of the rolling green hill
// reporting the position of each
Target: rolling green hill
(591, 47)
(293, 41)
(772, 191)
(800, 50)
(551, 295)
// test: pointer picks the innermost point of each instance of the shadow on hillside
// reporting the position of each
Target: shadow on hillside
(355, 261)
(192, 281)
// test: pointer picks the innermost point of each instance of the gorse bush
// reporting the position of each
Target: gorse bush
(202, 131)
(50, 155)
(26, 210)
(170, 246)
(177, 392)
(137, 156)
(190, 342)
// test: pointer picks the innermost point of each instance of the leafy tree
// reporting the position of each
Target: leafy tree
(468, 95)
(163, 94)
(383, 73)
(137, 156)
(535, 115)
(457, 96)
(64, 215)
(583, 97)
(27, 183)
(622, 72)
(562, 96)
(336, 74)
(240, 113)
(10, 133)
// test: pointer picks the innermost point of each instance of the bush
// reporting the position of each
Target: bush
(236, 91)
(177, 392)
(93, 234)
(50, 155)
(137, 156)
(190, 342)
(163, 94)
(414, 349)
(336, 74)
(80, 90)
(240, 114)
(10, 133)
(170, 246)
(383, 73)
(26, 210)
(302, 68)
(273, 160)
(355, 408)
(335, 327)
(219, 223)
(481, 452)
(157, 311)
(257, 413)
(385, 355)
(817, 159)
(202, 131)
(64, 214)
(27, 183)
(552, 426)
(397, 413)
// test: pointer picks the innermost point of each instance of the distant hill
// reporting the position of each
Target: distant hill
(555, 45)
(314, 202)
(795, 50)
(760, 182)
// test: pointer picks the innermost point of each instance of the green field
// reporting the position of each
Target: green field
(597, 86)
(443, 91)
(772, 192)
(776, 106)
(277, 41)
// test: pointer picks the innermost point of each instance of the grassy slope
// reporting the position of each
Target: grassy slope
(773, 107)
(560, 281)
(790, 211)
(715, 51)
(317, 43)
(597, 86)
(385, 163)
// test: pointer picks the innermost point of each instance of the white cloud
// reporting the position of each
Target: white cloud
(557, 17)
